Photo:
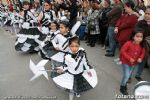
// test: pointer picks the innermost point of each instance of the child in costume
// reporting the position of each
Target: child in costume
(46, 17)
(58, 41)
(75, 75)
(29, 37)
(47, 49)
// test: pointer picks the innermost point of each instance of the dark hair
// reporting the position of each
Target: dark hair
(37, 3)
(148, 7)
(130, 4)
(138, 30)
(142, 1)
(47, 1)
(108, 1)
(65, 23)
(74, 39)
(25, 3)
(95, 1)
(55, 22)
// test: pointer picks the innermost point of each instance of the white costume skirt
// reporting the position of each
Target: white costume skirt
(28, 40)
(47, 51)
(78, 83)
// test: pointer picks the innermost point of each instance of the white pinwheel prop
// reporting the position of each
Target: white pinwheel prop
(38, 69)
(75, 28)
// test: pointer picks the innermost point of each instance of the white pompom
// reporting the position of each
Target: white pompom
(45, 30)
(63, 18)
(25, 25)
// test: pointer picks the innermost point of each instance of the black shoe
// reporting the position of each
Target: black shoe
(32, 52)
(138, 78)
(123, 90)
(146, 66)
(107, 50)
(109, 55)
(88, 44)
(92, 45)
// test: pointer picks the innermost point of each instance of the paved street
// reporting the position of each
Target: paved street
(15, 75)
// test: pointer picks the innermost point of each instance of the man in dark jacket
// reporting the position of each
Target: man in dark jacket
(113, 16)
(103, 21)
(72, 7)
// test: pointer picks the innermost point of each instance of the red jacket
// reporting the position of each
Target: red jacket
(131, 50)
(125, 24)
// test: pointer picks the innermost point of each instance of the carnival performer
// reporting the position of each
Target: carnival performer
(75, 75)
(59, 40)
(7, 20)
(16, 20)
(46, 17)
(29, 37)
(2, 15)
(47, 49)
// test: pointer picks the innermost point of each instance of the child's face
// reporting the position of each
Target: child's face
(53, 26)
(26, 7)
(74, 47)
(147, 14)
(138, 37)
(46, 6)
(127, 9)
(106, 4)
(63, 29)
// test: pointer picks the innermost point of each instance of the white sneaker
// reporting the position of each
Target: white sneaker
(104, 47)
(117, 60)
(119, 63)
(77, 95)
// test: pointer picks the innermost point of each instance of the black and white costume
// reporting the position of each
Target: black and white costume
(61, 14)
(62, 45)
(48, 17)
(16, 21)
(29, 37)
(54, 40)
(2, 17)
(46, 47)
(75, 77)
(16, 18)
(7, 18)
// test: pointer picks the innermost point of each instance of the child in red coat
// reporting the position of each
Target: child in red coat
(132, 53)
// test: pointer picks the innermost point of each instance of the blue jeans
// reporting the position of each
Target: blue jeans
(140, 68)
(127, 70)
(112, 40)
